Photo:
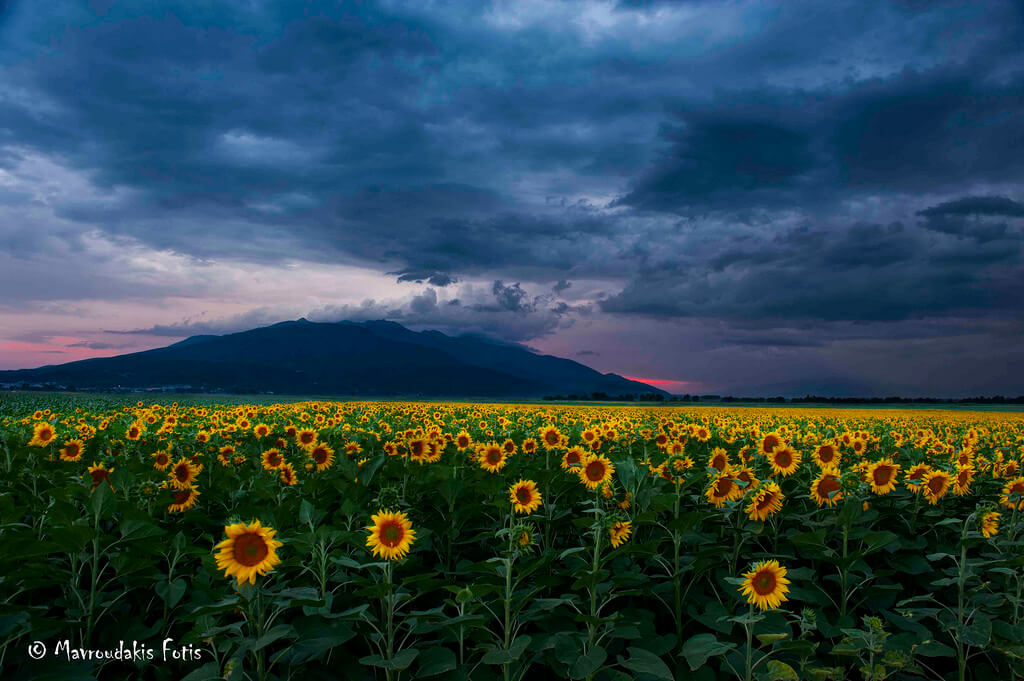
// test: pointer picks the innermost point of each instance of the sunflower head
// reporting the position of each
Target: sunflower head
(391, 535)
(620, 532)
(595, 471)
(765, 586)
(249, 550)
(525, 496)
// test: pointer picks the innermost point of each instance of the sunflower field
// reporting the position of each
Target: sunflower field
(387, 540)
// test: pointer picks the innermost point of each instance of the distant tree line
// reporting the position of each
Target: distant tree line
(817, 399)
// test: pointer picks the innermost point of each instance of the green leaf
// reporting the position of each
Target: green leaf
(780, 671)
(401, 660)
(765, 639)
(645, 662)
(699, 648)
(171, 592)
(436, 661)
(208, 672)
(101, 500)
(275, 634)
(585, 665)
(933, 649)
(979, 632)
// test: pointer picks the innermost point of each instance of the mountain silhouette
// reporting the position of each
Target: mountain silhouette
(373, 358)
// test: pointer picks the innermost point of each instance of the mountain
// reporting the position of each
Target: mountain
(374, 358)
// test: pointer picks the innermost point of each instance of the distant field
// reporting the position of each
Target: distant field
(463, 540)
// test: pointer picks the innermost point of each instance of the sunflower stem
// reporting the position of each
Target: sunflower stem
(95, 575)
(842, 570)
(390, 615)
(749, 627)
(505, 670)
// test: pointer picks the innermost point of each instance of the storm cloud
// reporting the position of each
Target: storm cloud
(762, 177)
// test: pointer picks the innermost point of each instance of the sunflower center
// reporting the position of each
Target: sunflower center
(181, 472)
(250, 549)
(764, 502)
(551, 438)
(826, 454)
(882, 475)
(723, 487)
(523, 496)
(764, 583)
(182, 496)
(493, 456)
(319, 456)
(783, 459)
(391, 534)
(827, 486)
(595, 471)
(936, 484)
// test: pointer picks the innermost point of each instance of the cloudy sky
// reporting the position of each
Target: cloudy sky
(727, 196)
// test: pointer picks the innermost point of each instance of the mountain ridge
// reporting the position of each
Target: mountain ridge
(377, 357)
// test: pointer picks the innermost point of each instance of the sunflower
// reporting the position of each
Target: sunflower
(990, 524)
(261, 430)
(766, 585)
(306, 437)
(184, 499)
(719, 460)
(134, 432)
(161, 460)
(826, 490)
(771, 442)
(723, 489)
(491, 458)
(522, 535)
(417, 448)
(962, 480)
(286, 474)
(42, 435)
(509, 447)
(183, 473)
(573, 457)
(784, 459)
(391, 535)
(463, 441)
(72, 450)
(747, 477)
(322, 456)
(529, 446)
(596, 470)
(98, 472)
(524, 496)
(765, 502)
(551, 437)
(249, 550)
(1013, 494)
(915, 476)
(935, 486)
(827, 456)
(882, 476)
(620, 533)
(272, 459)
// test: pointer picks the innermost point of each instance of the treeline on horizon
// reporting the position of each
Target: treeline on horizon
(818, 399)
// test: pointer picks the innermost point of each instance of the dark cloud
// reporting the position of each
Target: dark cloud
(419, 276)
(96, 345)
(793, 169)
(976, 205)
